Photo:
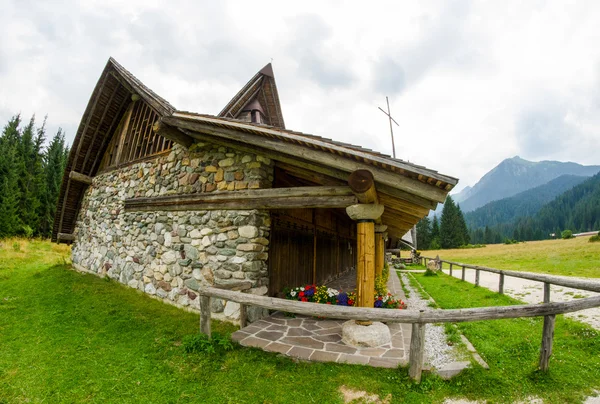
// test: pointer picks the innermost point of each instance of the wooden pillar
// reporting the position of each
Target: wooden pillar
(417, 349)
(365, 266)
(450, 269)
(205, 315)
(546, 292)
(462, 276)
(547, 338)
(501, 284)
(379, 248)
(365, 216)
(477, 277)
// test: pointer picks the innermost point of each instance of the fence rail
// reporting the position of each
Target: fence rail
(417, 318)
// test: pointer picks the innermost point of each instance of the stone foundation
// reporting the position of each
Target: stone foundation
(170, 254)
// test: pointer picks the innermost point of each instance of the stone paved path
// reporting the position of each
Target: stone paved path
(312, 339)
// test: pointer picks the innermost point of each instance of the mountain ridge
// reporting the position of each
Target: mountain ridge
(515, 175)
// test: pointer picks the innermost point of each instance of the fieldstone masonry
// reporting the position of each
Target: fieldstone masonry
(170, 254)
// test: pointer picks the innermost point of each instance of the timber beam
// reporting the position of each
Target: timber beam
(271, 198)
(415, 187)
(173, 134)
(306, 166)
(362, 183)
(85, 179)
(65, 237)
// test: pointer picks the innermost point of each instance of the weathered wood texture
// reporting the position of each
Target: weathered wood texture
(477, 277)
(314, 155)
(84, 179)
(547, 339)
(205, 314)
(403, 316)
(546, 292)
(272, 198)
(365, 264)
(172, 134)
(501, 284)
(379, 253)
(65, 237)
(362, 183)
(582, 284)
(417, 350)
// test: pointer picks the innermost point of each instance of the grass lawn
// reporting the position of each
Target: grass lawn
(70, 337)
(573, 257)
(511, 346)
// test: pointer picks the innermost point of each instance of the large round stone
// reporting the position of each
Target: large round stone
(373, 335)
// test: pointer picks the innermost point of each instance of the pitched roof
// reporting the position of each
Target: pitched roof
(107, 104)
(262, 89)
(407, 190)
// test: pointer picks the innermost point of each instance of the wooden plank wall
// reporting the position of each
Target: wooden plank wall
(309, 246)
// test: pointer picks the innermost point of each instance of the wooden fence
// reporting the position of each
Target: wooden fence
(418, 319)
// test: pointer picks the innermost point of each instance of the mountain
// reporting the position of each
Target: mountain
(524, 204)
(577, 209)
(516, 175)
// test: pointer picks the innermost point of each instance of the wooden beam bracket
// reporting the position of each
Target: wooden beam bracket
(85, 179)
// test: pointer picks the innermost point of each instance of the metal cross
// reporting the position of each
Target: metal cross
(391, 120)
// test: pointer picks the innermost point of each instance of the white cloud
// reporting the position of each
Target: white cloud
(470, 83)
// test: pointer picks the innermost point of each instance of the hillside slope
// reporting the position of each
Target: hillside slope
(516, 175)
(526, 203)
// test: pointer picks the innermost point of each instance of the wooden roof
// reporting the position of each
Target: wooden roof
(261, 88)
(407, 190)
(107, 104)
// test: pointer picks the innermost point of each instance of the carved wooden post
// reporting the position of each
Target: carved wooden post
(417, 349)
(365, 216)
(477, 277)
(501, 285)
(547, 338)
(205, 315)
(379, 248)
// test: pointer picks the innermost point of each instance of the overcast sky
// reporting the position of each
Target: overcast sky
(470, 83)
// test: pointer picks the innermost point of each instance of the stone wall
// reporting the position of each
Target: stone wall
(170, 254)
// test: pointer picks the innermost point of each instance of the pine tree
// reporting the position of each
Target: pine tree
(453, 230)
(54, 167)
(424, 233)
(9, 184)
(435, 234)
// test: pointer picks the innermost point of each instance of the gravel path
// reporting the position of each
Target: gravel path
(437, 351)
(533, 292)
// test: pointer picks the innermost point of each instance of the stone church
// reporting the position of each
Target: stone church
(166, 201)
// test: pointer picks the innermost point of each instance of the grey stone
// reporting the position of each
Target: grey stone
(184, 263)
(217, 305)
(373, 335)
(150, 289)
(190, 251)
(170, 257)
(248, 231)
(192, 284)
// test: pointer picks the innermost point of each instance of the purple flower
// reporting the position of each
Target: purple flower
(309, 292)
(342, 299)
(378, 303)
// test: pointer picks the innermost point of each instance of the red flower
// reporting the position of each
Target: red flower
(301, 294)
(380, 298)
(351, 302)
(304, 299)
(328, 302)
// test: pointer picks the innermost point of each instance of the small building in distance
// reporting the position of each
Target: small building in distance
(165, 201)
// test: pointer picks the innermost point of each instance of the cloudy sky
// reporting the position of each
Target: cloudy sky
(470, 83)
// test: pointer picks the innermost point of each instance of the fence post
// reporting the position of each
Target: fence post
(501, 285)
(462, 277)
(477, 277)
(546, 292)
(205, 315)
(243, 316)
(450, 269)
(417, 345)
(547, 338)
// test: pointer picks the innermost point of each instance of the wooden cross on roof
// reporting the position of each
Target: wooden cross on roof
(391, 120)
